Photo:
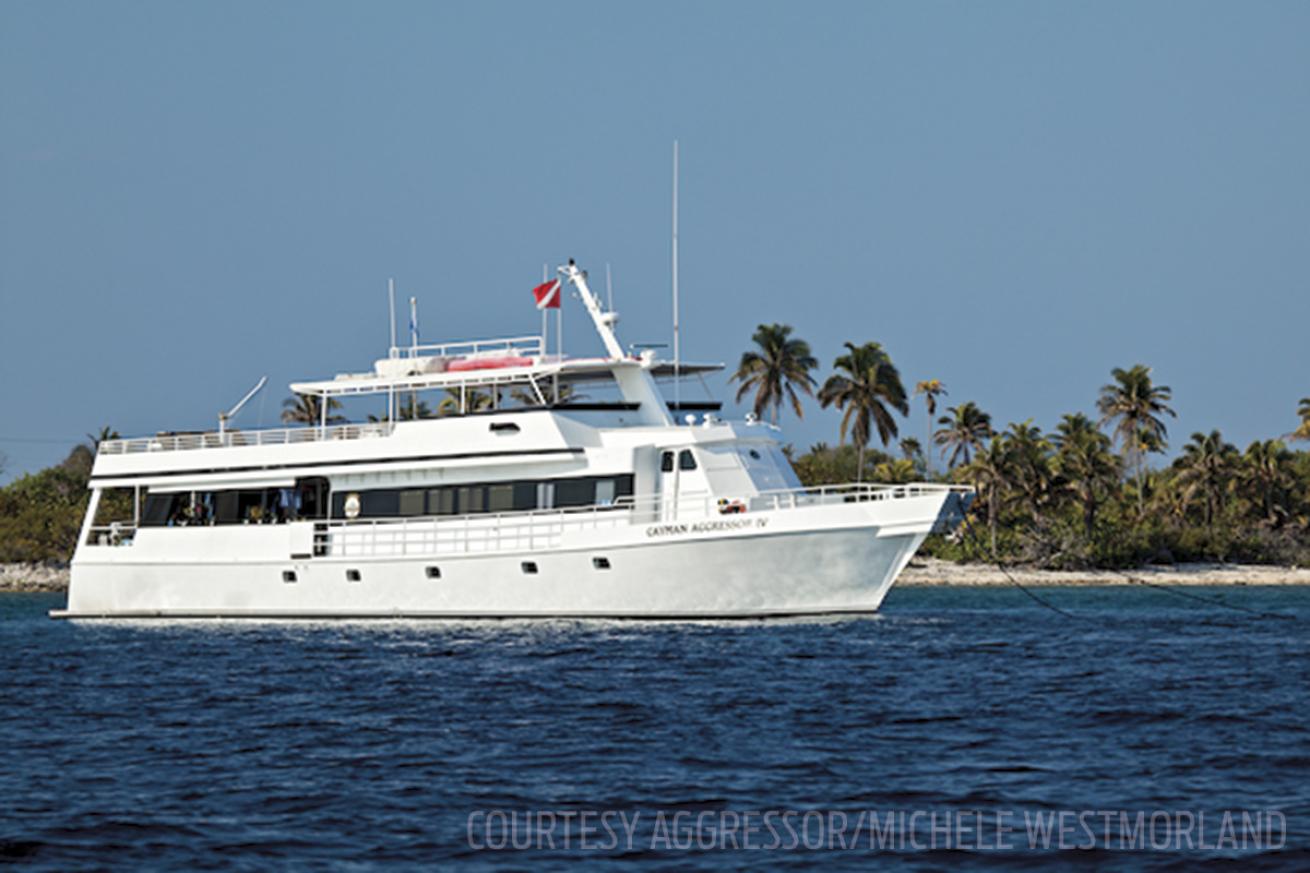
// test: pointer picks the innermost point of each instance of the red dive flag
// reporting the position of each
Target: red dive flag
(547, 294)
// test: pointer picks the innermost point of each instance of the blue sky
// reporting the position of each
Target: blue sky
(1011, 197)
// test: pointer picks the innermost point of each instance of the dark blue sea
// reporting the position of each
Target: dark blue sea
(932, 736)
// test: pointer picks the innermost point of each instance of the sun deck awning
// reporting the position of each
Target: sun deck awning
(579, 370)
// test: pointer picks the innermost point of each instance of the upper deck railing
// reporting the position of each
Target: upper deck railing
(216, 440)
(543, 528)
(524, 346)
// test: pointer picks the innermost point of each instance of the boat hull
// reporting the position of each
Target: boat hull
(834, 560)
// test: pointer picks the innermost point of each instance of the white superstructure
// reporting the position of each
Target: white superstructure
(547, 486)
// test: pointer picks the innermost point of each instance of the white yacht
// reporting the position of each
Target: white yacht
(549, 486)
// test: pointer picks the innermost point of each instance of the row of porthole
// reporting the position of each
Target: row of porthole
(529, 568)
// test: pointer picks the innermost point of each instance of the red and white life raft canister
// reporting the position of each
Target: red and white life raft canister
(487, 362)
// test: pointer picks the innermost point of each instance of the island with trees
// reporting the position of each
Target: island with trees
(1083, 496)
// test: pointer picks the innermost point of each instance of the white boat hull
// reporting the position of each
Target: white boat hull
(830, 559)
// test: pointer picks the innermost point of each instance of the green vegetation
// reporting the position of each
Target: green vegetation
(1080, 496)
(1067, 499)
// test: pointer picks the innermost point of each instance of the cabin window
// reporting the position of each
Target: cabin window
(288, 575)
(529, 568)
(433, 572)
(472, 499)
(225, 507)
(666, 462)
(411, 502)
(575, 492)
(160, 509)
(686, 460)
(353, 576)
(497, 497)
(500, 498)
(441, 501)
(380, 503)
(600, 563)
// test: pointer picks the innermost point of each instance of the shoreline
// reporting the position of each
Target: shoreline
(922, 572)
(932, 572)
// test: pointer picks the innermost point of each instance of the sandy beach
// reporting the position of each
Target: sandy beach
(54, 577)
(932, 572)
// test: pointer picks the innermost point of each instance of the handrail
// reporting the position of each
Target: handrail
(543, 528)
(228, 439)
(526, 345)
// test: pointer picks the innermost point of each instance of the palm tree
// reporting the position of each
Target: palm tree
(1085, 461)
(105, 433)
(1302, 431)
(931, 389)
(307, 409)
(896, 471)
(1031, 471)
(963, 432)
(912, 451)
(474, 401)
(1207, 467)
(412, 409)
(1137, 407)
(776, 370)
(991, 471)
(865, 384)
(1265, 478)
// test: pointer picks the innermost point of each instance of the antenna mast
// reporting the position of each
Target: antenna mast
(391, 299)
(677, 356)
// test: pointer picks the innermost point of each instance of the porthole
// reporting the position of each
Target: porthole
(529, 567)
(353, 576)
(288, 575)
(434, 572)
(755, 454)
(600, 563)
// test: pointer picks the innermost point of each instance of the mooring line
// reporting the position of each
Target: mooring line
(1169, 589)
(1173, 589)
(1013, 581)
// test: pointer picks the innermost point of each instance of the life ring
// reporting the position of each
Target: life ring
(731, 507)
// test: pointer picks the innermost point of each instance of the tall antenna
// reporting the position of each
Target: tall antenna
(391, 298)
(677, 357)
(413, 325)
(609, 287)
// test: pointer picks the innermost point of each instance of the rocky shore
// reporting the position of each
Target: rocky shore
(54, 577)
(33, 577)
(933, 572)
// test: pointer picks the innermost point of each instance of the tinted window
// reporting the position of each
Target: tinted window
(411, 503)
(686, 460)
(575, 492)
(379, 503)
(500, 498)
(442, 501)
(159, 509)
(666, 462)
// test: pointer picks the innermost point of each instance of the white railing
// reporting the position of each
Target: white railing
(216, 440)
(118, 533)
(537, 529)
(544, 528)
(524, 346)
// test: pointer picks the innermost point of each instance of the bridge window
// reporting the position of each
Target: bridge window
(686, 460)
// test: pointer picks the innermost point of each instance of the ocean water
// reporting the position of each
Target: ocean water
(376, 745)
